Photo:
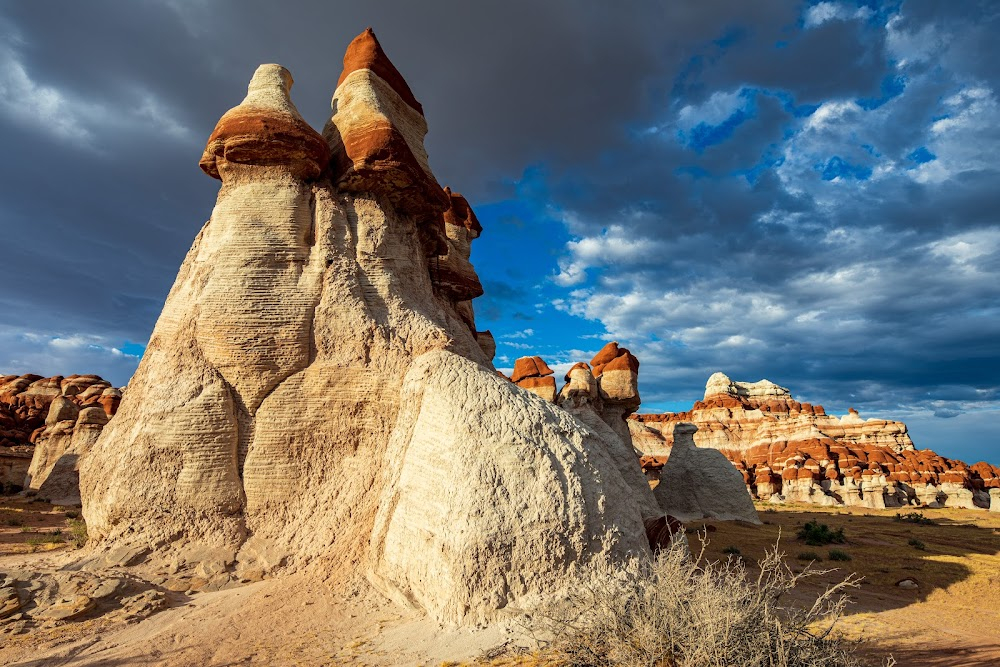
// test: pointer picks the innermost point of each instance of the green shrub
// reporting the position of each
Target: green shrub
(44, 538)
(914, 517)
(838, 554)
(917, 544)
(733, 551)
(817, 534)
(810, 555)
(77, 532)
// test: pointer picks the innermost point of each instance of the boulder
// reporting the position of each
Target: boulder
(532, 373)
(700, 483)
(529, 367)
(464, 532)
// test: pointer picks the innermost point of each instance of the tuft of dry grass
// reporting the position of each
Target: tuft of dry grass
(687, 612)
(77, 531)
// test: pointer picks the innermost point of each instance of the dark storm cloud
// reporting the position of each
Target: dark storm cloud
(104, 192)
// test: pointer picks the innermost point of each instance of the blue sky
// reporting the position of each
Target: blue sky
(805, 192)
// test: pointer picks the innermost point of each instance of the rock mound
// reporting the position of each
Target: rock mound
(464, 530)
(699, 483)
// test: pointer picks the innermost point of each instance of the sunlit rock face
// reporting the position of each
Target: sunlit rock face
(789, 451)
(315, 387)
(533, 374)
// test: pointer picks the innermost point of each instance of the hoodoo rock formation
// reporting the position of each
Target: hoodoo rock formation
(699, 483)
(702, 485)
(584, 397)
(315, 388)
(792, 451)
(533, 374)
(45, 425)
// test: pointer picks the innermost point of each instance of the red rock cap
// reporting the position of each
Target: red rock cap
(578, 365)
(460, 214)
(526, 367)
(364, 52)
(606, 354)
(533, 382)
(266, 130)
(626, 361)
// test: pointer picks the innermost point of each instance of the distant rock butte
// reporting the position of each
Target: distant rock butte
(45, 425)
(789, 451)
(315, 389)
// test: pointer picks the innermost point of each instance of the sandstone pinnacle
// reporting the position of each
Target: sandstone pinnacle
(266, 130)
(315, 388)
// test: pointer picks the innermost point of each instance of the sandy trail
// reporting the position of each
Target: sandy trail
(300, 619)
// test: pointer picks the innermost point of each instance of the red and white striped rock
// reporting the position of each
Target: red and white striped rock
(795, 452)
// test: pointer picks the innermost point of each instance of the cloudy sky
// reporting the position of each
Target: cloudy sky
(806, 192)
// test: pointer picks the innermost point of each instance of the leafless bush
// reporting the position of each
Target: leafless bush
(679, 613)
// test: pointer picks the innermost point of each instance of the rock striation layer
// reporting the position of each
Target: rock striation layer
(315, 389)
(791, 451)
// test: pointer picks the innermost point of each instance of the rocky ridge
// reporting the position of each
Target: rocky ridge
(795, 452)
(45, 425)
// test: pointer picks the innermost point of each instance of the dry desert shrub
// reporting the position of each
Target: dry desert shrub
(679, 613)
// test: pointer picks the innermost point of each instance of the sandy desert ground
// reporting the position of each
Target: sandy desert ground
(952, 618)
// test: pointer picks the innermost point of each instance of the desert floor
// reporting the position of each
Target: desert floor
(952, 618)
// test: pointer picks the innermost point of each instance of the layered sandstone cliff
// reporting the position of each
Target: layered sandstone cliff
(315, 389)
(792, 451)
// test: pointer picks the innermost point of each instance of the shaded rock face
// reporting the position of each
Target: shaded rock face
(312, 387)
(700, 483)
(791, 451)
(68, 435)
(38, 423)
